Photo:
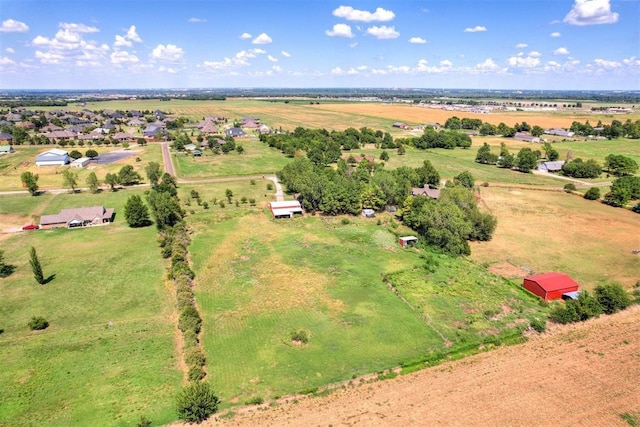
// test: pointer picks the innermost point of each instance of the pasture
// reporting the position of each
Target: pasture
(108, 356)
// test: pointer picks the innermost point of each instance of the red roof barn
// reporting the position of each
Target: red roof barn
(550, 285)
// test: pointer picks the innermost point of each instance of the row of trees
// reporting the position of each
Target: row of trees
(524, 161)
(607, 299)
(431, 138)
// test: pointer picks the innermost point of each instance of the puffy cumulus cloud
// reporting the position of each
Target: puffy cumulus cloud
(351, 14)
(383, 32)
(262, 39)
(168, 53)
(49, 57)
(476, 29)
(417, 40)
(340, 30)
(285, 54)
(276, 69)
(121, 41)
(77, 28)
(603, 63)
(522, 61)
(591, 12)
(6, 60)
(245, 36)
(521, 45)
(128, 39)
(555, 34)
(337, 71)
(240, 59)
(123, 57)
(13, 26)
(561, 51)
(633, 61)
(535, 54)
(424, 67)
(197, 20)
(10, 50)
(487, 65)
(272, 58)
(132, 34)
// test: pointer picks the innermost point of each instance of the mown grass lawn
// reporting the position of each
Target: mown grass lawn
(259, 280)
(108, 356)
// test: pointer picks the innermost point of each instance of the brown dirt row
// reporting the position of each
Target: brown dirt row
(584, 374)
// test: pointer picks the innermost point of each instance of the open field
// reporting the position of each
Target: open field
(258, 280)
(528, 384)
(554, 231)
(80, 370)
(23, 160)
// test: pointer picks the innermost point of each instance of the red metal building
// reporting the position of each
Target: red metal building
(550, 285)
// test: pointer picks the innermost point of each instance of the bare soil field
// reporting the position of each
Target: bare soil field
(582, 374)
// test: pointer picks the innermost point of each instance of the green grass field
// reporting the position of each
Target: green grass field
(81, 371)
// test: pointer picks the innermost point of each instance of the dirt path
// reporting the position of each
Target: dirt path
(584, 374)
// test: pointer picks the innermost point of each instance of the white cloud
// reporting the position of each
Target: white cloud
(591, 12)
(240, 59)
(446, 63)
(561, 51)
(337, 71)
(285, 54)
(77, 28)
(487, 65)
(535, 54)
(417, 40)
(340, 30)
(262, 39)
(276, 68)
(383, 32)
(245, 36)
(606, 64)
(351, 14)
(521, 45)
(13, 26)
(168, 53)
(354, 44)
(164, 69)
(476, 29)
(6, 61)
(122, 56)
(49, 57)
(10, 50)
(121, 41)
(424, 67)
(133, 35)
(522, 61)
(555, 34)
(272, 58)
(197, 20)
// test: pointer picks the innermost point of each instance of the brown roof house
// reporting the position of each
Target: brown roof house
(78, 217)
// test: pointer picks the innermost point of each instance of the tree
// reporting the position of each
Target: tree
(136, 212)
(93, 182)
(128, 176)
(90, 153)
(592, 194)
(196, 402)
(484, 155)
(165, 208)
(35, 266)
(112, 180)
(30, 180)
(526, 160)
(612, 297)
(154, 173)
(384, 156)
(75, 154)
(69, 179)
(620, 165)
(228, 194)
(465, 179)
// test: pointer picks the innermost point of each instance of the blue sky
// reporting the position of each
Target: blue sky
(490, 44)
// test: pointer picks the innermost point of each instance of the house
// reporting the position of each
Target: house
(527, 137)
(555, 166)
(60, 135)
(209, 128)
(559, 132)
(6, 149)
(434, 193)
(401, 125)
(358, 159)
(81, 162)
(407, 241)
(78, 217)
(264, 129)
(549, 286)
(190, 147)
(53, 157)
(285, 209)
(6, 137)
(235, 132)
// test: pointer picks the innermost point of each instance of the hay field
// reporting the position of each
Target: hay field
(554, 231)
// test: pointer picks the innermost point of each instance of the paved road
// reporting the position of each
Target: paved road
(168, 163)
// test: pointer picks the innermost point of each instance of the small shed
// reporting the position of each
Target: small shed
(550, 286)
(285, 209)
(81, 162)
(407, 241)
(553, 166)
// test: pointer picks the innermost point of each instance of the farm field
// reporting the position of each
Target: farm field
(258, 280)
(80, 370)
(543, 231)
(504, 387)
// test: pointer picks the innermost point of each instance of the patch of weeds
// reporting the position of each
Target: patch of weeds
(299, 337)
(257, 400)
(632, 419)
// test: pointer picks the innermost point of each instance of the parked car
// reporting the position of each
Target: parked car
(30, 227)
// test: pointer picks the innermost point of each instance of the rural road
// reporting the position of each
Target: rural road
(168, 163)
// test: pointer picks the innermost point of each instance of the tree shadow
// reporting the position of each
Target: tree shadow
(49, 279)
(6, 270)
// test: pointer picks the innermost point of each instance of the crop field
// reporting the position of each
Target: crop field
(23, 160)
(554, 231)
(108, 356)
(258, 280)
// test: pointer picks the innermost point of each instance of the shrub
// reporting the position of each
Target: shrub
(539, 325)
(38, 323)
(196, 402)
(189, 320)
(569, 187)
(592, 194)
(194, 356)
(196, 373)
(612, 297)
(144, 422)
(255, 401)
(300, 336)
(345, 221)
(269, 187)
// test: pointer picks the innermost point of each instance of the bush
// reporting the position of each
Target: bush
(38, 323)
(255, 401)
(345, 221)
(189, 320)
(592, 194)
(196, 373)
(539, 325)
(300, 336)
(144, 422)
(194, 356)
(569, 187)
(612, 297)
(196, 402)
